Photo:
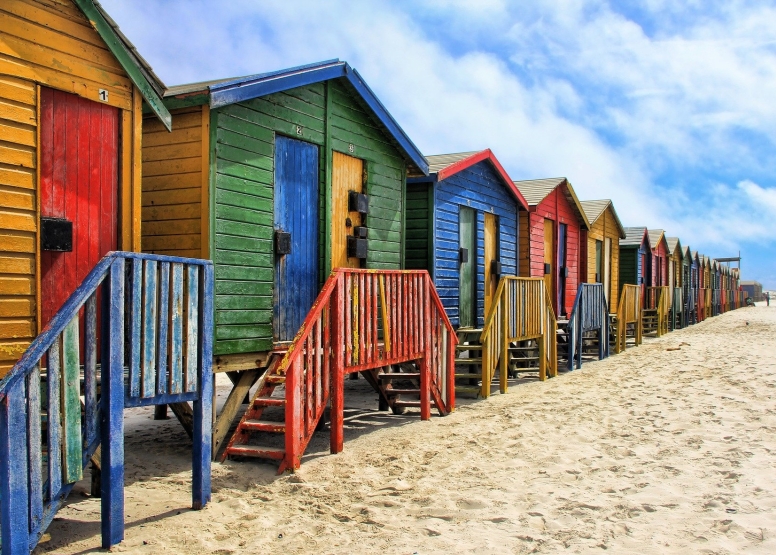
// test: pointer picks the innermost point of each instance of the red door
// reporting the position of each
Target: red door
(79, 145)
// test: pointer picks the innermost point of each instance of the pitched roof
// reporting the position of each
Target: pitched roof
(138, 70)
(445, 165)
(536, 190)
(634, 236)
(594, 208)
(673, 243)
(223, 92)
(655, 236)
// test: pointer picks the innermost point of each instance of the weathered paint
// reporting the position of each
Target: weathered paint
(347, 175)
(296, 274)
(433, 229)
(548, 253)
(51, 45)
(634, 266)
(491, 256)
(467, 239)
(605, 235)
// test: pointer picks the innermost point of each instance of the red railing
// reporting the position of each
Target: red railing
(363, 320)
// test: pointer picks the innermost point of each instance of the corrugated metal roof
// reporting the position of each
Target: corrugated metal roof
(438, 162)
(594, 208)
(654, 236)
(633, 236)
(200, 86)
(534, 190)
(673, 242)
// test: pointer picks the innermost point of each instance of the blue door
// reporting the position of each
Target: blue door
(296, 213)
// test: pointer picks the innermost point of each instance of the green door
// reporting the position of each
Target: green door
(467, 241)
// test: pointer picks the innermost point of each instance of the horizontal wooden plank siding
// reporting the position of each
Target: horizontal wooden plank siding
(478, 187)
(418, 214)
(605, 227)
(18, 218)
(244, 198)
(51, 42)
(174, 168)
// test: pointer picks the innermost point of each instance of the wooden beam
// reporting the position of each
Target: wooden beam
(232, 406)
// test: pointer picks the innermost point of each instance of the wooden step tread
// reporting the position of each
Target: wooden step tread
(468, 376)
(399, 376)
(276, 379)
(411, 403)
(466, 347)
(264, 426)
(468, 361)
(269, 402)
(475, 390)
(256, 451)
(402, 391)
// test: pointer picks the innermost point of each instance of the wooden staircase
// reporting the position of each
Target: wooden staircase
(468, 362)
(387, 325)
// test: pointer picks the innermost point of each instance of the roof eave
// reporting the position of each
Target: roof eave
(119, 50)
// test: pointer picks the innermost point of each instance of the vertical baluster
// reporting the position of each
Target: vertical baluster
(423, 314)
(202, 451)
(375, 279)
(92, 424)
(294, 420)
(112, 406)
(319, 365)
(386, 321)
(326, 353)
(347, 318)
(148, 382)
(192, 329)
(368, 311)
(71, 403)
(54, 423)
(164, 319)
(136, 313)
(14, 494)
(392, 299)
(361, 315)
(35, 460)
(176, 332)
(337, 368)
(308, 375)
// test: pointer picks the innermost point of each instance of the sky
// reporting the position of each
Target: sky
(667, 108)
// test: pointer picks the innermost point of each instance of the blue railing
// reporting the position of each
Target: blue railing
(590, 313)
(137, 331)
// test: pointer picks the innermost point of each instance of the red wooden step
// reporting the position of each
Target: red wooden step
(276, 379)
(264, 426)
(399, 376)
(256, 451)
(261, 402)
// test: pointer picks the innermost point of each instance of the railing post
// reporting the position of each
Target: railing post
(293, 413)
(425, 388)
(506, 312)
(112, 432)
(338, 316)
(203, 410)
(14, 493)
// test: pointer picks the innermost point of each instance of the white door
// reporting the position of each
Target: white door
(607, 267)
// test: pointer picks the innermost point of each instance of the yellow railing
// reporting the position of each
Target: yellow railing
(629, 312)
(521, 310)
(657, 298)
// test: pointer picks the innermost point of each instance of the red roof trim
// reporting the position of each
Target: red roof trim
(486, 154)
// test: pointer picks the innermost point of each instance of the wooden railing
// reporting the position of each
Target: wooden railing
(146, 343)
(628, 312)
(548, 355)
(519, 312)
(362, 320)
(656, 298)
(677, 309)
(590, 313)
(701, 304)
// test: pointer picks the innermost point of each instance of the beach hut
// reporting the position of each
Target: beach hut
(659, 260)
(675, 273)
(71, 98)
(657, 293)
(551, 242)
(603, 247)
(635, 254)
(462, 226)
(280, 178)
(688, 289)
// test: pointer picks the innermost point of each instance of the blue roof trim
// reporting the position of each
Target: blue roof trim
(254, 86)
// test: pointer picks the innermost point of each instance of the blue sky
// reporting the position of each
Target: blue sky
(668, 108)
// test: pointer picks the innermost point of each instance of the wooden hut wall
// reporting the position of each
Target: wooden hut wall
(659, 264)
(418, 250)
(605, 227)
(175, 184)
(631, 264)
(556, 207)
(51, 45)
(240, 222)
(480, 188)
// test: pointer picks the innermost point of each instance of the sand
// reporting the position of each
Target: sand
(650, 451)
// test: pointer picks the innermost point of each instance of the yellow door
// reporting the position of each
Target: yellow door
(549, 257)
(491, 279)
(347, 175)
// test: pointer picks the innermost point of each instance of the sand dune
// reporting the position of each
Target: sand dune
(650, 451)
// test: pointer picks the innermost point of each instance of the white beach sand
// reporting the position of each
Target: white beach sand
(650, 451)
